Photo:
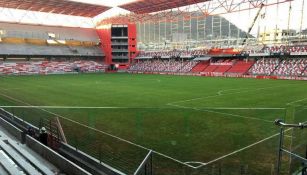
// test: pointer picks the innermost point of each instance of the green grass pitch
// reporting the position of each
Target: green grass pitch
(190, 119)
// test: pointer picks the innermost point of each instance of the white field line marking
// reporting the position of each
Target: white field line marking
(211, 96)
(244, 148)
(224, 113)
(123, 107)
(81, 107)
(105, 133)
(234, 108)
(221, 91)
(7, 89)
(290, 103)
(239, 150)
(195, 162)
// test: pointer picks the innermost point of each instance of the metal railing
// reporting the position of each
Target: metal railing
(282, 150)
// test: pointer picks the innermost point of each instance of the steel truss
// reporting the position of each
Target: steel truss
(209, 8)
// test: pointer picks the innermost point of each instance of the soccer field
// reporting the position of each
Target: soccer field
(187, 120)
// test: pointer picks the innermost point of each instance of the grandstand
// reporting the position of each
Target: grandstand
(143, 87)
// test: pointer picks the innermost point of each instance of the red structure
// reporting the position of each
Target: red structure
(105, 38)
(119, 43)
(132, 42)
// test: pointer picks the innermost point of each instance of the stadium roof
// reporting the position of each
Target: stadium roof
(149, 6)
(64, 7)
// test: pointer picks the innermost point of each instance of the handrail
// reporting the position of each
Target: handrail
(279, 122)
(143, 162)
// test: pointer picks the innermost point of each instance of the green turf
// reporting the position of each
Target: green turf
(187, 118)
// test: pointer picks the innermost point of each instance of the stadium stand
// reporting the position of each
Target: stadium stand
(210, 68)
(200, 66)
(41, 32)
(291, 67)
(172, 54)
(188, 66)
(219, 66)
(33, 40)
(29, 49)
(222, 69)
(241, 67)
(163, 66)
(264, 66)
(50, 67)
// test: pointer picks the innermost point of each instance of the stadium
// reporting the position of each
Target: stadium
(143, 87)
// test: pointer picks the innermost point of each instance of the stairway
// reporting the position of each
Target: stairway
(17, 159)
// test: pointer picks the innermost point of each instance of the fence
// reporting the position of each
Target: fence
(90, 130)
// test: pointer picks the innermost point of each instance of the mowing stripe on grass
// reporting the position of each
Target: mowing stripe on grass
(224, 113)
(290, 103)
(105, 133)
(122, 107)
(220, 94)
(221, 91)
(230, 108)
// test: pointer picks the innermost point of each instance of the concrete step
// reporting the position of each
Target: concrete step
(8, 167)
(31, 159)
(18, 159)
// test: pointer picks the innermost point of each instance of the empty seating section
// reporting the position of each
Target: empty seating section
(275, 49)
(163, 66)
(42, 32)
(29, 49)
(222, 69)
(241, 67)
(264, 66)
(291, 67)
(200, 66)
(189, 66)
(50, 67)
(172, 54)
(219, 66)
(210, 68)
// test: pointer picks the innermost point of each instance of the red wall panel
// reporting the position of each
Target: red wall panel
(104, 34)
(132, 41)
(105, 39)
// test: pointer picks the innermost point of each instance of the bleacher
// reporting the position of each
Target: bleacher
(29, 49)
(264, 66)
(201, 66)
(210, 68)
(241, 67)
(163, 66)
(50, 67)
(219, 66)
(188, 66)
(172, 54)
(291, 67)
(18, 159)
(222, 68)
(33, 40)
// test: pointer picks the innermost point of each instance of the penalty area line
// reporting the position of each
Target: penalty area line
(246, 147)
(223, 113)
(219, 93)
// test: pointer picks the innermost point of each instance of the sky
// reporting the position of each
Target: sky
(274, 16)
